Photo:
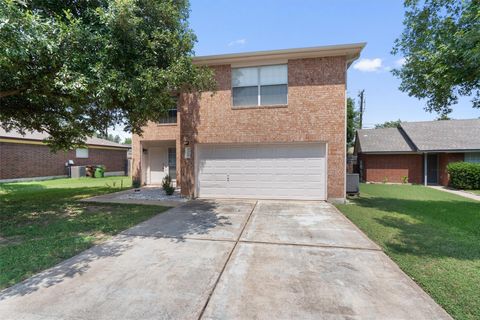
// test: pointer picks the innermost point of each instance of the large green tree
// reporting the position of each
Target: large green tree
(441, 46)
(75, 67)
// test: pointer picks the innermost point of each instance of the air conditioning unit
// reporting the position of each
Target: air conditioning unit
(353, 183)
(77, 171)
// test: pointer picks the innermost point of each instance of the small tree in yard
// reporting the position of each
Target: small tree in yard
(73, 68)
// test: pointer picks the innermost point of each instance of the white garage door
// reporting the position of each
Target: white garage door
(262, 171)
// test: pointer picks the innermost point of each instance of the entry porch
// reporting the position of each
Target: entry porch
(159, 159)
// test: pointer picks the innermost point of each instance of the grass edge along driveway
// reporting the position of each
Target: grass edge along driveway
(434, 237)
(42, 223)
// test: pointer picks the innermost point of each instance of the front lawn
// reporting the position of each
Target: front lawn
(434, 236)
(41, 223)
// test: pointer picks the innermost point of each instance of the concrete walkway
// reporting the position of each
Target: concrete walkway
(227, 259)
(145, 196)
(460, 193)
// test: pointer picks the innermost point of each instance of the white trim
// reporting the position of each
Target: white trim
(195, 170)
(345, 135)
(326, 170)
(32, 179)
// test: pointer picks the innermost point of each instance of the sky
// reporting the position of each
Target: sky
(231, 26)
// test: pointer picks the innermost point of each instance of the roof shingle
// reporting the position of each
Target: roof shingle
(383, 140)
(39, 136)
(444, 135)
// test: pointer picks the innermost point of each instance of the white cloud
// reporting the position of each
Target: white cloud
(400, 62)
(238, 42)
(368, 65)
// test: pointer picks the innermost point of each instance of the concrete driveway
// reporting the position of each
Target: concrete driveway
(228, 259)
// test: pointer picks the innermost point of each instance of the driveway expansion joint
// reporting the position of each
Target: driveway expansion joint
(310, 245)
(176, 238)
(226, 262)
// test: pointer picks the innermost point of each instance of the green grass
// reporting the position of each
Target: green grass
(434, 236)
(41, 223)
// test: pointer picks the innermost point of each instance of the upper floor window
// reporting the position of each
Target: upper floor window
(171, 114)
(260, 86)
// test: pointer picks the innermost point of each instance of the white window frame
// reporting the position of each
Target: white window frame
(79, 154)
(259, 97)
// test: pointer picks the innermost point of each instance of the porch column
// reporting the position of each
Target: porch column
(425, 169)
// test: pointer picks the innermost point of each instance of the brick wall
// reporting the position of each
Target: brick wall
(315, 113)
(18, 160)
(443, 160)
(393, 167)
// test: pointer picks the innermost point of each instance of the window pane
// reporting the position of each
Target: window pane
(472, 157)
(81, 153)
(171, 114)
(271, 95)
(270, 75)
(245, 96)
(171, 117)
(244, 77)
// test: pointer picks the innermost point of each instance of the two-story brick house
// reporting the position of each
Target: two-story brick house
(274, 129)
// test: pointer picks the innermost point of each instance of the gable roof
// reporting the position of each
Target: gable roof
(40, 136)
(383, 140)
(424, 136)
(444, 134)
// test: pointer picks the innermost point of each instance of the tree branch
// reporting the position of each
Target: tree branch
(9, 93)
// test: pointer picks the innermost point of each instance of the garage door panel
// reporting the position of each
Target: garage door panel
(276, 171)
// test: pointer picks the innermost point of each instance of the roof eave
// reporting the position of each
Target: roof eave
(448, 150)
(389, 152)
(350, 51)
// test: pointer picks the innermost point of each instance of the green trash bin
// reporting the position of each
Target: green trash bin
(99, 172)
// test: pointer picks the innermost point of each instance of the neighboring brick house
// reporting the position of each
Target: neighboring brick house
(27, 156)
(274, 128)
(419, 151)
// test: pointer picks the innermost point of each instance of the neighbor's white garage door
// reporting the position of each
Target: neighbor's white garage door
(263, 171)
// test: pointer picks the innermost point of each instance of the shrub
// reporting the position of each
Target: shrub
(167, 185)
(136, 183)
(464, 175)
(404, 179)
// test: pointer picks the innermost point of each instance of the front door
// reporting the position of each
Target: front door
(432, 168)
(158, 164)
